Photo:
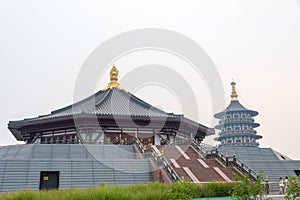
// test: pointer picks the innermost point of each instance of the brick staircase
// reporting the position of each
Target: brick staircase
(196, 168)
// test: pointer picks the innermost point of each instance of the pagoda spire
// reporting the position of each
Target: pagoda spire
(234, 94)
(113, 80)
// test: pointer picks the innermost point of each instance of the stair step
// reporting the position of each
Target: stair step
(176, 165)
(182, 152)
(191, 175)
(203, 163)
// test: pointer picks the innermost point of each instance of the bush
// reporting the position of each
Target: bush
(293, 188)
(248, 189)
(180, 190)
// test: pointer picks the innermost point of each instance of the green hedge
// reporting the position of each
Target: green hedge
(179, 190)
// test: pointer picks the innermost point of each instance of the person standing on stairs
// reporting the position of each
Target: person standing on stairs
(267, 186)
(281, 186)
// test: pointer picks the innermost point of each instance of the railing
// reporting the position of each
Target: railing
(242, 131)
(160, 160)
(239, 119)
(140, 145)
(213, 152)
(204, 149)
(241, 143)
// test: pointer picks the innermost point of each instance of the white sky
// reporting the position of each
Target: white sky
(44, 43)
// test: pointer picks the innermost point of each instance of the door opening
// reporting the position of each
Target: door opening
(49, 180)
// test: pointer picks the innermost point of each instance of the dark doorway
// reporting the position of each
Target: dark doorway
(49, 180)
(297, 172)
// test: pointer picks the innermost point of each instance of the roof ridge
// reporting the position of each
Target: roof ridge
(108, 93)
(141, 102)
(77, 103)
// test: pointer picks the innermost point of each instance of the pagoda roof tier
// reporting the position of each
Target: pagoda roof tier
(234, 107)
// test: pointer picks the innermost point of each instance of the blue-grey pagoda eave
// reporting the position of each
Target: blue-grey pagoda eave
(113, 111)
(236, 124)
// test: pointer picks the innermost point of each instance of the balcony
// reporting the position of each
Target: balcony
(236, 120)
(241, 131)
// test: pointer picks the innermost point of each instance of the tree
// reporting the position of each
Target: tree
(248, 189)
(293, 188)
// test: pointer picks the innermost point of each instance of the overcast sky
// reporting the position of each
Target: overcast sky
(43, 45)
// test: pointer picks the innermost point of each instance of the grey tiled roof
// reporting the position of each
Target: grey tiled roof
(109, 105)
(112, 102)
(235, 106)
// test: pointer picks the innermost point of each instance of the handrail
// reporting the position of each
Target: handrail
(239, 131)
(213, 152)
(169, 169)
(236, 119)
(159, 160)
(140, 145)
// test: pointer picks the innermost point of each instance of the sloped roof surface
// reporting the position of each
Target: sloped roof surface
(235, 106)
(79, 165)
(67, 151)
(110, 102)
(264, 160)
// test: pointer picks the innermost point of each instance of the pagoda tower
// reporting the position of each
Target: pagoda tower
(236, 124)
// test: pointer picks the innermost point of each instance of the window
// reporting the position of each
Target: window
(228, 116)
(228, 128)
(236, 116)
(237, 128)
(238, 141)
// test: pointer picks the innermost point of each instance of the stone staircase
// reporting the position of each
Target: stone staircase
(190, 165)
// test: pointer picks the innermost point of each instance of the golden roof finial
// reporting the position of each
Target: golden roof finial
(234, 94)
(113, 79)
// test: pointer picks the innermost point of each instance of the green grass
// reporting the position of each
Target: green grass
(179, 190)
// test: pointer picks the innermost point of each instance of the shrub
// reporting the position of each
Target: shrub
(180, 190)
(248, 189)
(293, 188)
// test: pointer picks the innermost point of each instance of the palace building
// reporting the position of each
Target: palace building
(96, 140)
(111, 116)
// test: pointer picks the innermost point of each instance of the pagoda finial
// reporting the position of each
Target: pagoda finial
(113, 79)
(234, 94)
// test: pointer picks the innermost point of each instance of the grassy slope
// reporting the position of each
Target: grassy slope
(132, 192)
